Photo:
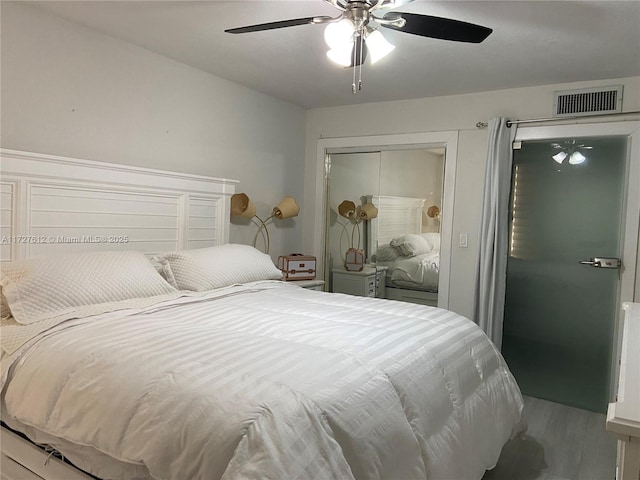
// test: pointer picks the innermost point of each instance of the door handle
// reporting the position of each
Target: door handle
(602, 262)
(591, 263)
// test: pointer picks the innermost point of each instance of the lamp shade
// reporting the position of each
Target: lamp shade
(576, 158)
(347, 209)
(378, 46)
(560, 156)
(433, 211)
(339, 34)
(242, 206)
(287, 208)
(368, 211)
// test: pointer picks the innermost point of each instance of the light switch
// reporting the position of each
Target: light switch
(464, 240)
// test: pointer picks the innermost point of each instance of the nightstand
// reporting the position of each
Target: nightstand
(369, 282)
(309, 284)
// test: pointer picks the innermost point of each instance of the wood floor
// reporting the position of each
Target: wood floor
(560, 443)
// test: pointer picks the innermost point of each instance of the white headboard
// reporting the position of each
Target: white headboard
(51, 204)
(396, 216)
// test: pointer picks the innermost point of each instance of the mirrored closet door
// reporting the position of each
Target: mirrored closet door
(400, 242)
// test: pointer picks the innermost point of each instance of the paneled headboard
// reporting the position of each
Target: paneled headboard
(51, 204)
(396, 216)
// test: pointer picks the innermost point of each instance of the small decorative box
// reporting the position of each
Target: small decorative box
(297, 266)
(354, 260)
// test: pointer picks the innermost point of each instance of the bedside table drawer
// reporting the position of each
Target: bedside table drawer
(371, 286)
(367, 283)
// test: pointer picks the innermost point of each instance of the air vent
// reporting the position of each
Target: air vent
(588, 101)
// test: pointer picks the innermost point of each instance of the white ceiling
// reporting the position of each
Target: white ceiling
(533, 43)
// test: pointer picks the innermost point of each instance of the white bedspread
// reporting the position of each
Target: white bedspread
(271, 381)
(419, 272)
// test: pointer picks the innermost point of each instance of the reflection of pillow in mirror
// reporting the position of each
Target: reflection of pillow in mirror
(411, 244)
(434, 240)
(387, 253)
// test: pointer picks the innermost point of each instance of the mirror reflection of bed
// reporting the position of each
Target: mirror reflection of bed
(406, 185)
(397, 240)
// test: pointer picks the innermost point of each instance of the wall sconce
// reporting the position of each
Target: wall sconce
(433, 212)
(242, 206)
(354, 258)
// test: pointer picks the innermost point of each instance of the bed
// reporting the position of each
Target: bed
(196, 362)
(395, 240)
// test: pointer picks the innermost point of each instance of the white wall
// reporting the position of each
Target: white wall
(450, 113)
(71, 91)
(417, 174)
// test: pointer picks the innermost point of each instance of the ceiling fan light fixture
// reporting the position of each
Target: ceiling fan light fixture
(560, 156)
(378, 46)
(341, 55)
(339, 34)
(577, 158)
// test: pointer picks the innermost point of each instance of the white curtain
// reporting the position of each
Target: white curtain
(494, 231)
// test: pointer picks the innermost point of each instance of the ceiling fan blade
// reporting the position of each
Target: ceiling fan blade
(437, 27)
(280, 24)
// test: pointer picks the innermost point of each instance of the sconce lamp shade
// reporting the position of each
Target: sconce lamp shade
(242, 206)
(347, 209)
(433, 211)
(287, 208)
(368, 211)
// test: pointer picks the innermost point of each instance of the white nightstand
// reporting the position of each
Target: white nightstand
(309, 284)
(369, 282)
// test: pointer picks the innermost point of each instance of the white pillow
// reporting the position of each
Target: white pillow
(216, 267)
(387, 253)
(77, 285)
(411, 244)
(4, 307)
(434, 240)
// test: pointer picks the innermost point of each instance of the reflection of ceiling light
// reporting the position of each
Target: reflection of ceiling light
(560, 156)
(575, 155)
(576, 158)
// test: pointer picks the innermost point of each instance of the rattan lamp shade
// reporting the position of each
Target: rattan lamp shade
(287, 208)
(368, 211)
(433, 211)
(242, 206)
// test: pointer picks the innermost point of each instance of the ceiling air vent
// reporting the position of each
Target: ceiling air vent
(588, 101)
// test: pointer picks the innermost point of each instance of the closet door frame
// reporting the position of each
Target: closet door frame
(361, 144)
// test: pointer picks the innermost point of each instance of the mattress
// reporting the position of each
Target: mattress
(418, 273)
(267, 380)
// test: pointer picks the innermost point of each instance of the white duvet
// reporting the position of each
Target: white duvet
(420, 272)
(270, 381)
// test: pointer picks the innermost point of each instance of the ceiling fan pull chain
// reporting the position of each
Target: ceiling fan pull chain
(360, 66)
(353, 82)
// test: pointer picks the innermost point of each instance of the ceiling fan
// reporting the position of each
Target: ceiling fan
(354, 34)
